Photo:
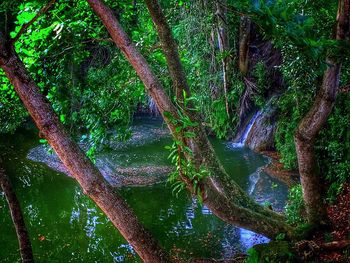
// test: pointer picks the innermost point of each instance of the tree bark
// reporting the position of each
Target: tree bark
(223, 196)
(79, 166)
(25, 246)
(244, 40)
(170, 49)
(336, 245)
(224, 48)
(312, 123)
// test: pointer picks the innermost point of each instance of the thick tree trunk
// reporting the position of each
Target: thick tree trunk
(312, 123)
(79, 166)
(25, 246)
(304, 138)
(223, 196)
(244, 41)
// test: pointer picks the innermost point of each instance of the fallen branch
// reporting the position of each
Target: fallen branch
(25, 26)
(335, 245)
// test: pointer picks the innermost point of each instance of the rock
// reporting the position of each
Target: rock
(116, 176)
(116, 172)
(261, 135)
(276, 170)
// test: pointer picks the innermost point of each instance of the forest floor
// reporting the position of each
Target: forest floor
(339, 216)
(276, 170)
(337, 235)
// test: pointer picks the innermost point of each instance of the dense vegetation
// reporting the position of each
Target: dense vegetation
(238, 57)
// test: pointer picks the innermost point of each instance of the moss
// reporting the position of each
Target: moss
(273, 252)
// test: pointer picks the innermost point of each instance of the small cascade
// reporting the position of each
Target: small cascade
(253, 180)
(153, 110)
(241, 142)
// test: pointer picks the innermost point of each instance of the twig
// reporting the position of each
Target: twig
(25, 26)
(83, 42)
(336, 245)
(344, 89)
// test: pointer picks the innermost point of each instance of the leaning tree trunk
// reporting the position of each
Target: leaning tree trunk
(25, 246)
(76, 162)
(312, 123)
(223, 196)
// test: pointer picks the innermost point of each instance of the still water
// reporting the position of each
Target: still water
(65, 226)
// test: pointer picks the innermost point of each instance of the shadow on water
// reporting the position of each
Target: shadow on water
(66, 225)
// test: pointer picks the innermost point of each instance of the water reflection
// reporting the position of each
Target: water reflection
(67, 226)
(248, 239)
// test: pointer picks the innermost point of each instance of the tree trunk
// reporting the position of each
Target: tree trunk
(223, 196)
(312, 123)
(244, 40)
(78, 165)
(25, 246)
(224, 48)
(170, 49)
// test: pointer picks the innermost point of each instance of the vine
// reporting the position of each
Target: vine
(186, 173)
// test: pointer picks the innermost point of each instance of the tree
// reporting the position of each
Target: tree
(196, 161)
(76, 162)
(312, 123)
(219, 193)
(25, 246)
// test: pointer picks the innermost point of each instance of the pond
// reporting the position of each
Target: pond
(65, 225)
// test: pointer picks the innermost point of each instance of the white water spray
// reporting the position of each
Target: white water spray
(246, 132)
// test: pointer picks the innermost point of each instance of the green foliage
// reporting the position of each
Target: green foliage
(296, 101)
(333, 145)
(95, 91)
(181, 155)
(304, 230)
(281, 236)
(295, 206)
(91, 88)
(219, 121)
(12, 113)
(261, 77)
(202, 61)
(253, 256)
(307, 31)
(273, 252)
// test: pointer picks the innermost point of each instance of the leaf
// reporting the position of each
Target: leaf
(189, 134)
(43, 141)
(62, 118)
(178, 129)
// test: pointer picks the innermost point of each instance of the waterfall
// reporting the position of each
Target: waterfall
(241, 142)
(153, 110)
(253, 180)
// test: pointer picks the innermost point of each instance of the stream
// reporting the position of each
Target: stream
(66, 226)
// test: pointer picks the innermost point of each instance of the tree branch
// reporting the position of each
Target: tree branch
(170, 49)
(77, 163)
(344, 89)
(25, 246)
(25, 26)
(222, 195)
(336, 245)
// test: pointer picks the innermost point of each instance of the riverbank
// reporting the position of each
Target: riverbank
(276, 170)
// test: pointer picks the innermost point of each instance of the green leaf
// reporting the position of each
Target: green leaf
(62, 118)
(43, 141)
